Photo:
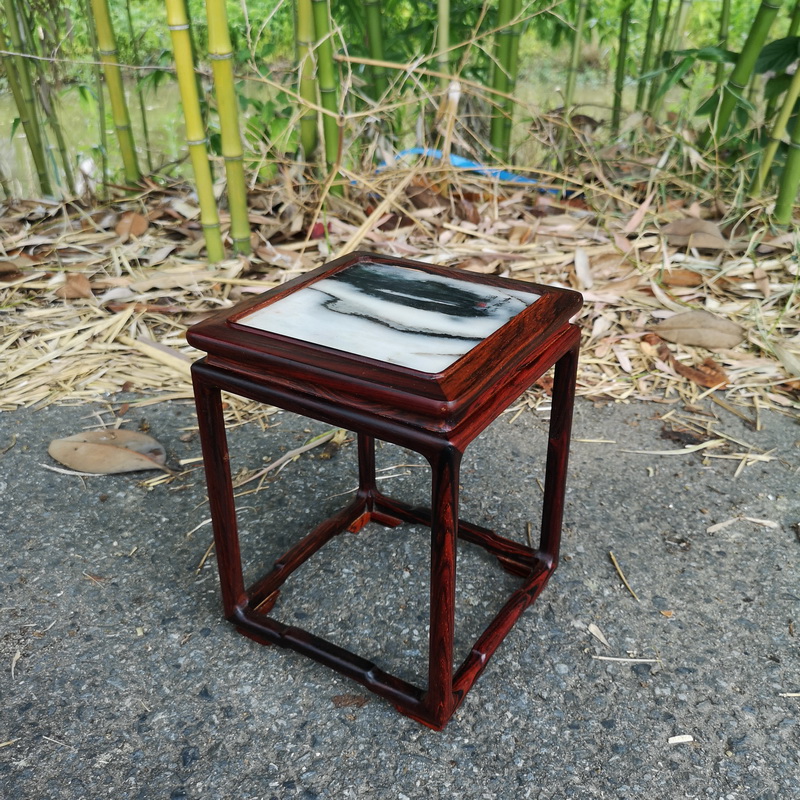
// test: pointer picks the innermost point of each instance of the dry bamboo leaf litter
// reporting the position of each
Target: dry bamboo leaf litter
(129, 334)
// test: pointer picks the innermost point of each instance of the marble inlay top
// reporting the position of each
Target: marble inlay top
(394, 314)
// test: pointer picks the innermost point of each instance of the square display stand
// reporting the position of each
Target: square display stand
(421, 356)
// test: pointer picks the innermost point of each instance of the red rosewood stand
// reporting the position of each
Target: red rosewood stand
(436, 414)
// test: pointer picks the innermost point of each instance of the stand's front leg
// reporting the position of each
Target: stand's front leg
(558, 454)
(220, 490)
(445, 467)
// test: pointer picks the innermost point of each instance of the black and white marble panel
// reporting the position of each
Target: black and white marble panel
(398, 315)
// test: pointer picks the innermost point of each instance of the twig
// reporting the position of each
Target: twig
(622, 575)
(204, 559)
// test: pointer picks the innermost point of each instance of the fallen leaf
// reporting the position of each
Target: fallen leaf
(791, 362)
(480, 265)
(762, 280)
(108, 452)
(636, 218)
(9, 270)
(598, 634)
(520, 234)
(708, 374)
(75, 285)
(667, 614)
(131, 223)
(678, 276)
(695, 232)
(582, 269)
(700, 328)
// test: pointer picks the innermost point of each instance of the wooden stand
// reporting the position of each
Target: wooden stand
(436, 415)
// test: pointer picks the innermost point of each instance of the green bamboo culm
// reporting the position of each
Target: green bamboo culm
(647, 53)
(372, 16)
(101, 103)
(724, 25)
(139, 93)
(513, 71)
(674, 42)
(19, 80)
(178, 23)
(220, 51)
(5, 185)
(790, 182)
(443, 41)
(107, 48)
(794, 20)
(500, 78)
(742, 70)
(48, 100)
(655, 84)
(326, 75)
(776, 134)
(575, 58)
(304, 23)
(622, 57)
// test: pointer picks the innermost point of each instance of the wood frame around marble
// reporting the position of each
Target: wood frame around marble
(436, 401)
(439, 428)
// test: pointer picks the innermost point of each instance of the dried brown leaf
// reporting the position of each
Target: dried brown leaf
(638, 216)
(708, 374)
(762, 280)
(694, 232)
(131, 223)
(75, 285)
(700, 328)
(108, 452)
(678, 276)
(9, 271)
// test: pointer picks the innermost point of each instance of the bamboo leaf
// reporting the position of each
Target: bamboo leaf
(108, 452)
(778, 55)
(700, 328)
(694, 232)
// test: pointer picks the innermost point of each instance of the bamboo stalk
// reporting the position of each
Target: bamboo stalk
(513, 71)
(500, 80)
(647, 54)
(655, 84)
(675, 41)
(794, 20)
(48, 102)
(220, 52)
(372, 13)
(327, 86)
(107, 48)
(777, 133)
(22, 88)
(442, 40)
(5, 185)
(101, 103)
(622, 55)
(724, 25)
(139, 93)
(307, 89)
(743, 69)
(790, 181)
(575, 58)
(178, 23)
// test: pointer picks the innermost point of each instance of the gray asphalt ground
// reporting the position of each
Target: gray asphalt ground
(120, 679)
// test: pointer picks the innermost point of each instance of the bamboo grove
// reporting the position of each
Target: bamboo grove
(749, 114)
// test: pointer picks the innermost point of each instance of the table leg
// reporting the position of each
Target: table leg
(220, 493)
(558, 454)
(445, 467)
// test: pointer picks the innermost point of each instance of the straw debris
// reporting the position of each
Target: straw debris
(95, 302)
